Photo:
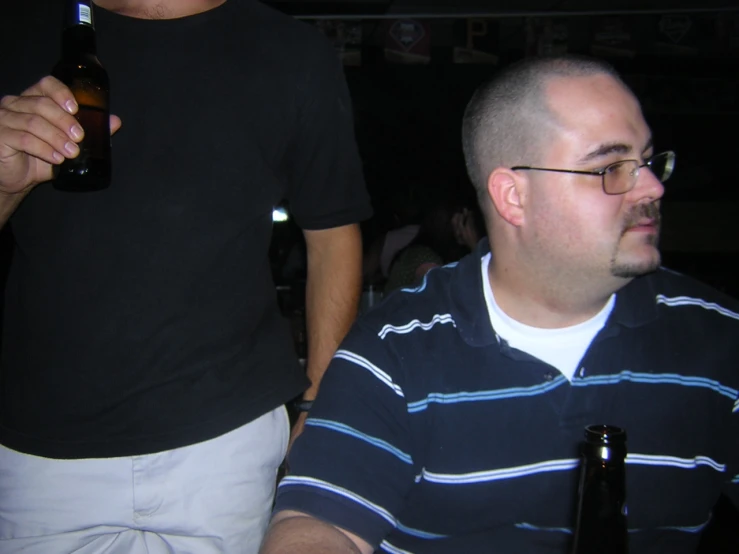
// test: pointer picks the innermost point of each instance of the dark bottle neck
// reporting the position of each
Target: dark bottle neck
(601, 514)
(603, 469)
(79, 29)
(601, 525)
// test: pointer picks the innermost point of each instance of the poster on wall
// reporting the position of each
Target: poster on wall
(476, 41)
(547, 36)
(673, 36)
(408, 41)
(685, 35)
(612, 37)
(346, 36)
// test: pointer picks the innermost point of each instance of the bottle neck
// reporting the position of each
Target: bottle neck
(601, 512)
(600, 526)
(77, 40)
(79, 29)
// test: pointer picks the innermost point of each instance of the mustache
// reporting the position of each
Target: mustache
(640, 212)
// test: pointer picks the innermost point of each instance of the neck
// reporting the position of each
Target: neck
(534, 300)
(158, 9)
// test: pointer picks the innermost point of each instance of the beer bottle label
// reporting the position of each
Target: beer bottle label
(84, 14)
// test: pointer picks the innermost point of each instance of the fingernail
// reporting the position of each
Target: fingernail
(71, 148)
(58, 158)
(71, 106)
(76, 131)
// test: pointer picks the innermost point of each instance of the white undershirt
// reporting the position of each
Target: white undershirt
(560, 348)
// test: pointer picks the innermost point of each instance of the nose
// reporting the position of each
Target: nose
(648, 185)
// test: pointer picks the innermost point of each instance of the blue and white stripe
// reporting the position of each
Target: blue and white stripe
(297, 480)
(416, 324)
(418, 533)
(682, 528)
(352, 432)
(419, 288)
(531, 527)
(387, 547)
(596, 380)
(674, 461)
(500, 474)
(480, 396)
(676, 301)
(372, 368)
(656, 379)
(424, 282)
(568, 530)
(565, 465)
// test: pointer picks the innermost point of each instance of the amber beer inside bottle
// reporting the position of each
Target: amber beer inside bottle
(80, 69)
(600, 527)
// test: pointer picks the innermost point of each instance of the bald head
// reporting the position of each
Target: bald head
(507, 121)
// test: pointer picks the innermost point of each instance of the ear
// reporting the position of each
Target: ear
(507, 192)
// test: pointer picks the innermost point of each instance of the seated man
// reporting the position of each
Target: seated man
(449, 421)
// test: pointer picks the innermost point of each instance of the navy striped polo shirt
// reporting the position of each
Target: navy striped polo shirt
(430, 434)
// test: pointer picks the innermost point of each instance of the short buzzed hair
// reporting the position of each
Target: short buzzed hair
(505, 122)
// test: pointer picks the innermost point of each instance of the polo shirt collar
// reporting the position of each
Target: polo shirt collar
(636, 303)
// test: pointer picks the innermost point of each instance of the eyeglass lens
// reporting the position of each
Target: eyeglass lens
(622, 176)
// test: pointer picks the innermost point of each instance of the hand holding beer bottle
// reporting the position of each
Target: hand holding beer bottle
(38, 131)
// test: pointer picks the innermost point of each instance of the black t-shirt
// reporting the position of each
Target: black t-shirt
(143, 317)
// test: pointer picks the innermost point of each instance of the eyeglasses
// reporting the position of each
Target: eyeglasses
(620, 177)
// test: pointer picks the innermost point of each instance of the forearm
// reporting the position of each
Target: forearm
(306, 535)
(333, 287)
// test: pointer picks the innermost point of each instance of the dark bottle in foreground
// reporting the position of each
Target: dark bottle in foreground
(80, 69)
(600, 527)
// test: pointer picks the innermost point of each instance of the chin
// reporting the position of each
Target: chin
(629, 270)
(636, 260)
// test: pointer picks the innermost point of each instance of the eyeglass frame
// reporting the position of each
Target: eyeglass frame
(669, 163)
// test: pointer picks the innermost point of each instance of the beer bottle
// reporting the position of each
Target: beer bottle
(80, 69)
(600, 527)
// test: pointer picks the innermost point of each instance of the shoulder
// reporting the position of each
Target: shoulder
(281, 32)
(674, 289)
(447, 294)
(408, 339)
(695, 313)
(409, 314)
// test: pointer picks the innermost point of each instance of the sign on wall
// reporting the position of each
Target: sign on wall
(408, 41)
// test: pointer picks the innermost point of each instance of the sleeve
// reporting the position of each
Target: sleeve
(353, 464)
(326, 185)
(729, 435)
(731, 487)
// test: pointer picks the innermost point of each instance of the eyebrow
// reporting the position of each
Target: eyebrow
(606, 149)
(609, 148)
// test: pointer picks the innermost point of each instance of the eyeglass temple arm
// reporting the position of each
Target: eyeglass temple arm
(580, 172)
